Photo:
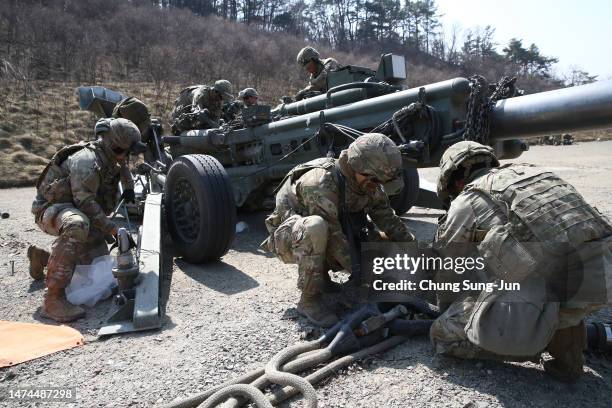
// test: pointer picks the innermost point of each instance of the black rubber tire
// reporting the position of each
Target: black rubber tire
(405, 199)
(200, 208)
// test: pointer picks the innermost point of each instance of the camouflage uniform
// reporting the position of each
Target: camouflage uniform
(200, 106)
(504, 212)
(306, 227)
(75, 193)
(318, 80)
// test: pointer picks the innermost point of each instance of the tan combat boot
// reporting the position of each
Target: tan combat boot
(311, 308)
(38, 261)
(566, 348)
(311, 270)
(57, 307)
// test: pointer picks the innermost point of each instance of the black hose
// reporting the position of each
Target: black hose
(410, 328)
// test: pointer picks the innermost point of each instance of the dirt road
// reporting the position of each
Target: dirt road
(226, 318)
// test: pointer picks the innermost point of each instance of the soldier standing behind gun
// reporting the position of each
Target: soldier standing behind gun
(75, 193)
(200, 106)
(246, 98)
(318, 69)
(313, 204)
(532, 228)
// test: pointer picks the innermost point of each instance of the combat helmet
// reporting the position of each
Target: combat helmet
(134, 110)
(224, 87)
(374, 154)
(307, 54)
(119, 134)
(463, 154)
(248, 92)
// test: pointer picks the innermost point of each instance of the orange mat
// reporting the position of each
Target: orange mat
(21, 342)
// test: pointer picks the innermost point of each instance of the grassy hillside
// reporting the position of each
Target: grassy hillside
(47, 50)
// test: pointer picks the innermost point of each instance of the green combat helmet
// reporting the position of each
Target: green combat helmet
(248, 92)
(224, 88)
(135, 110)
(374, 154)
(306, 55)
(462, 154)
(119, 134)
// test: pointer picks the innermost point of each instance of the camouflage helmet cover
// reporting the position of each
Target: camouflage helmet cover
(307, 54)
(374, 154)
(119, 133)
(462, 154)
(135, 110)
(224, 87)
(248, 92)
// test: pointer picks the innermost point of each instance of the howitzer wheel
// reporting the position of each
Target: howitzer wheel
(406, 198)
(200, 208)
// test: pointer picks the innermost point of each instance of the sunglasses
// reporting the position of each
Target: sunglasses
(372, 178)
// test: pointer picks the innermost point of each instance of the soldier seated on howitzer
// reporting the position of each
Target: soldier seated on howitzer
(246, 98)
(75, 193)
(318, 69)
(532, 229)
(200, 106)
(317, 205)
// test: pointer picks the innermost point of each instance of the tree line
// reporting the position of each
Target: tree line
(163, 41)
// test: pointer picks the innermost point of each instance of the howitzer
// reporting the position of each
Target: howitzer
(215, 171)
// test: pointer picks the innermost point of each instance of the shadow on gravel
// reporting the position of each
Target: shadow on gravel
(36, 286)
(513, 384)
(423, 230)
(218, 276)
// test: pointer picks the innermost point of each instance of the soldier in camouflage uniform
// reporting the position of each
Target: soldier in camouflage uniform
(306, 225)
(200, 106)
(75, 193)
(246, 98)
(530, 227)
(318, 69)
(137, 112)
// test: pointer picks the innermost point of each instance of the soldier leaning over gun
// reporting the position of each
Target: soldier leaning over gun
(318, 69)
(75, 193)
(200, 106)
(533, 228)
(313, 204)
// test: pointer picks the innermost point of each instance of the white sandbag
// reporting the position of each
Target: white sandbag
(90, 283)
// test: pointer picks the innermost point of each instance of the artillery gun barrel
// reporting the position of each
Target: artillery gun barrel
(563, 110)
(367, 114)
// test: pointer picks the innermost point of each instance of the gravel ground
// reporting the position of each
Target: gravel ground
(226, 318)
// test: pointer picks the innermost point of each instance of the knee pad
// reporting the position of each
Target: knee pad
(77, 230)
(313, 231)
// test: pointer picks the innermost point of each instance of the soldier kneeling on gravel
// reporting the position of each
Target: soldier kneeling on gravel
(533, 229)
(75, 193)
(313, 203)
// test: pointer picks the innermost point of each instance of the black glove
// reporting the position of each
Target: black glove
(129, 196)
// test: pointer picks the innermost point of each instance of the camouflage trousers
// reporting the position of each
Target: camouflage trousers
(502, 325)
(307, 242)
(76, 242)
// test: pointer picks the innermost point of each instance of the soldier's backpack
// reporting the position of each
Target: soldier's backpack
(53, 184)
(547, 218)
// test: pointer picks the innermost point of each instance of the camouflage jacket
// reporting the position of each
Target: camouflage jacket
(195, 108)
(203, 99)
(316, 192)
(318, 81)
(89, 179)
